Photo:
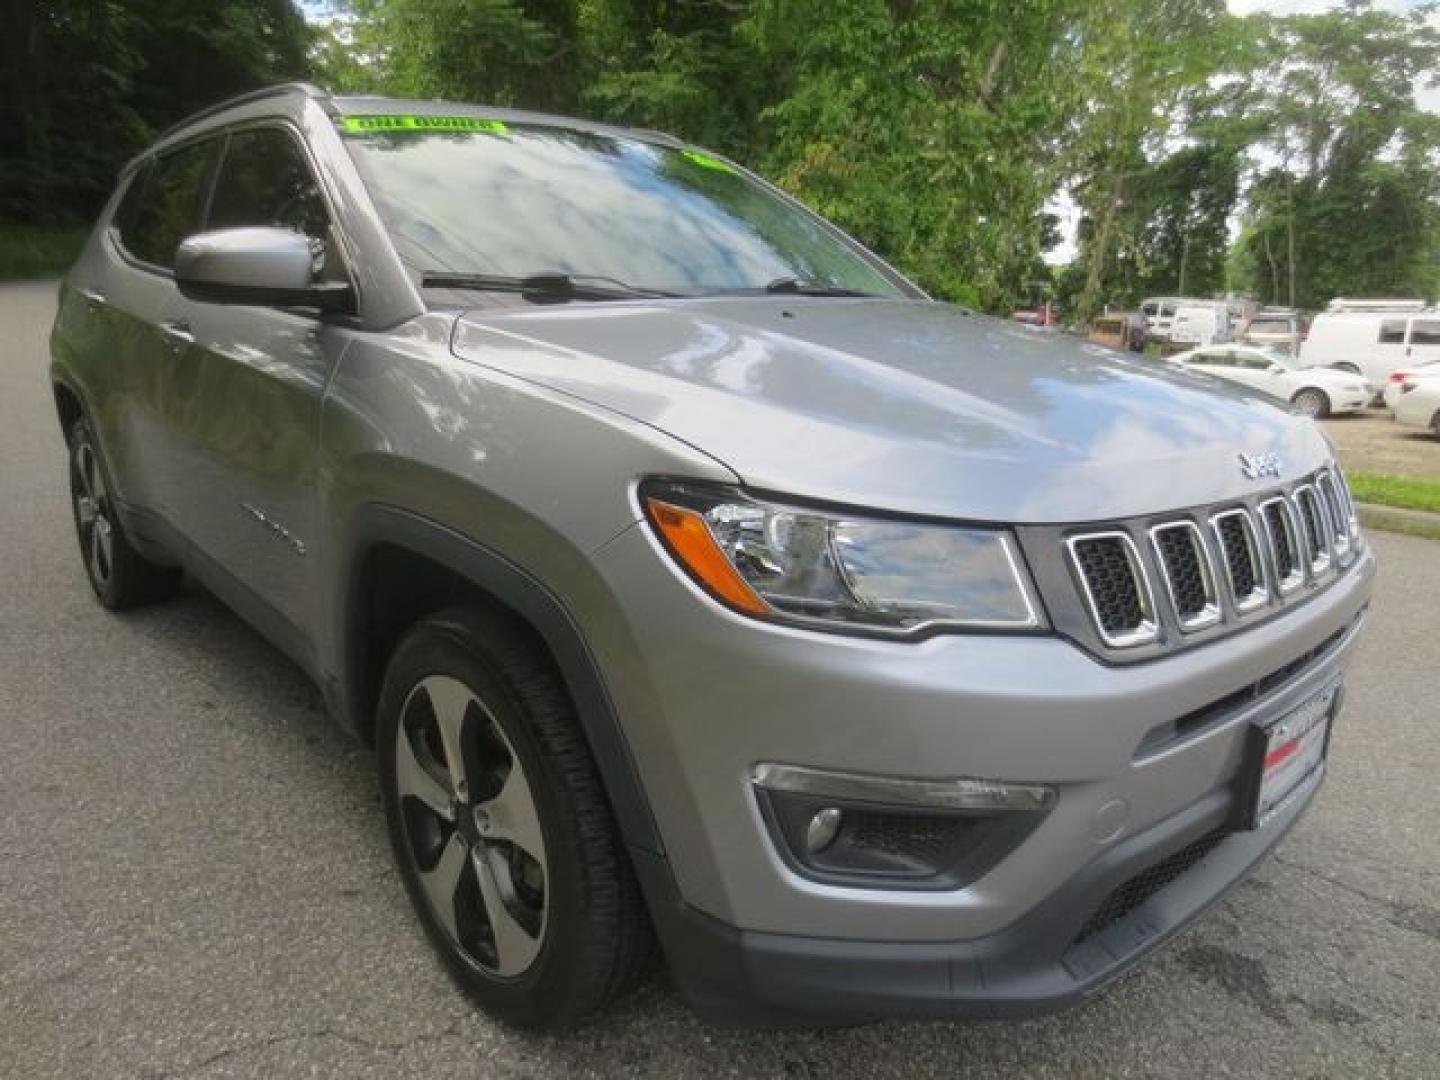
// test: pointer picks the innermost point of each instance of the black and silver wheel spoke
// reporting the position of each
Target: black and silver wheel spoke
(510, 817)
(442, 881)
(450, 701)
(515, 944)
(414, 780)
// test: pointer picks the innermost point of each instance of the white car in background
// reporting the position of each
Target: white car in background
(1312, 391)
(1413, 397)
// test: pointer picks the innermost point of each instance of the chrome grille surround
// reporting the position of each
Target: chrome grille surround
(1337, 515)
(1312, 521)
(1282, 538)
(1142, 629)
(1242, 565)
(1161, 537)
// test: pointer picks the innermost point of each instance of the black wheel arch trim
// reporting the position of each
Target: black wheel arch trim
(373, 524)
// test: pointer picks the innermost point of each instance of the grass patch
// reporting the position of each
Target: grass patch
(1406, 492)
(1396, 522)
(28, 251)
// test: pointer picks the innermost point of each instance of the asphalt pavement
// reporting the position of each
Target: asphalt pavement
(194, 878)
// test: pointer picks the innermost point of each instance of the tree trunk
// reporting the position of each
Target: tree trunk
(1184, 258)
(1290, 253)
(1274, 270)
(1100, 248)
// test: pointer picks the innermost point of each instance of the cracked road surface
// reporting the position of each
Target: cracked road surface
(194, 879)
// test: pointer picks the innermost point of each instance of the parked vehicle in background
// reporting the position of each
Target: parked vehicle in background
(1275, 328)
(1373, 338)
(1160, 312)
(1312, 391)
(1201, 325)
(1041, 316)
(1394, 385)
(1416, 398)
(1123, 330)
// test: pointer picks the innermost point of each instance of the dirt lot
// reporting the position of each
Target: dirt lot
(1375, 443)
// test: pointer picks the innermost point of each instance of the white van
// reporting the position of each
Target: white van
(1160, 313)
(1208, 325)
(1373, 337)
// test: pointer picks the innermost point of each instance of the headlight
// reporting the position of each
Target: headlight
(842, 570)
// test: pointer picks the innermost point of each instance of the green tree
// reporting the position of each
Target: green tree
(1347, 199)
(86, 83)
(504, 52)
(1145, 64)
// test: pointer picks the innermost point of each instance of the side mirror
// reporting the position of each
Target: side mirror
(261, 266)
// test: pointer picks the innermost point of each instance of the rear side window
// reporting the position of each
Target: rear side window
(124, 219)
(168, 203)
(266, 180)
(1425, 332)
(1270, 326)
(1392, 332)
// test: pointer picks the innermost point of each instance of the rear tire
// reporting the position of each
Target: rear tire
(121, 577)
(1311, 402)
(500, 825)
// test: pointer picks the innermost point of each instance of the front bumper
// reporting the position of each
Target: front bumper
(705, 695)
(1050, 959)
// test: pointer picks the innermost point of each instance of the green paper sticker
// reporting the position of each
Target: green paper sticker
(705, 161)
(361, 124)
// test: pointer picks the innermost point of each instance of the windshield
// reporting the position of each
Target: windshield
(486, 197)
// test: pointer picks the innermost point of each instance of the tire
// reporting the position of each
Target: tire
(1311, 402)
(121, 577)
(513, 863)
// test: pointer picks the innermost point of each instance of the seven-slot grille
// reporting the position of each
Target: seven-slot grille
(1254, 555)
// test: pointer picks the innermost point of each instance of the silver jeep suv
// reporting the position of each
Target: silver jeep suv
(695, 577)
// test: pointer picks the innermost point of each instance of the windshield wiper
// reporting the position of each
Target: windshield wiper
(543, 288)
(800, 287)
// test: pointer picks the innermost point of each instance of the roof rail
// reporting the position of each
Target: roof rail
(279, 89)
(1340, 303)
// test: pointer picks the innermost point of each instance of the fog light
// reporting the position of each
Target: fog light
(821, 831)
(894, 832)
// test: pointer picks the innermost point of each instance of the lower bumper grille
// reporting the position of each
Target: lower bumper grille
(1134, 892)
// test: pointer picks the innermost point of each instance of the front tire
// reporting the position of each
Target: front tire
(1311, 402)
(500, 825)
(121, 577)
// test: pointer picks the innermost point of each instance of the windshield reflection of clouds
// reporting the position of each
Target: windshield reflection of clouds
(542, 199)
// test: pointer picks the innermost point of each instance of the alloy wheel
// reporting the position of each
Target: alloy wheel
(92, 513)
(471, 826)
(1310, 403)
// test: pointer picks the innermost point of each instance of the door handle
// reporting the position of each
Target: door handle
(93, 300)
(177, 333)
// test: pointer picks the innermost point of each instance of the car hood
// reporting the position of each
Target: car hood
(911, 406)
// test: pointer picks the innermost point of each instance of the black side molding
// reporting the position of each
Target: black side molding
(374, 524)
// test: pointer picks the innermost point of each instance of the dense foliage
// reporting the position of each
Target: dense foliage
(1285, 158)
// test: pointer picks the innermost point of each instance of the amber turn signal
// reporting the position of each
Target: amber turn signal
(691, 541)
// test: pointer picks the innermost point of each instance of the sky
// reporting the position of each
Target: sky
(1428, 97)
